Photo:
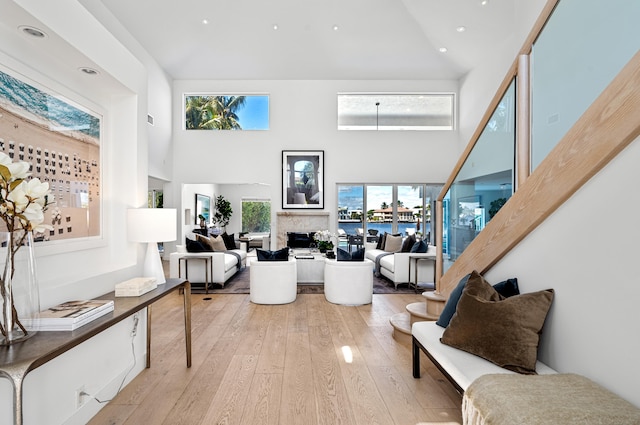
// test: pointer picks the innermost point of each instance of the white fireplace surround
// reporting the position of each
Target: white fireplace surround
(303, 221)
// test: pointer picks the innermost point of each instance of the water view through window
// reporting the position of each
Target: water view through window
(404, 209)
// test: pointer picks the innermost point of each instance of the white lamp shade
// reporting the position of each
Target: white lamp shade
(151, 224)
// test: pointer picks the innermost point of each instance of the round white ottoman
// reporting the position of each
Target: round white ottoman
(273, 282)
(348, 282)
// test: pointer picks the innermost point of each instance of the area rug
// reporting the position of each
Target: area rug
(239, 284)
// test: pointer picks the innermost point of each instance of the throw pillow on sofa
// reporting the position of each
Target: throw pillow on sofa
(194, 246)
(205, 242)
(214, 242)
(408, 243)
(505, 331)
(229, 240)
(266, 255)
(393, 243)
(420, 247)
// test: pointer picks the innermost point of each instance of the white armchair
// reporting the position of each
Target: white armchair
(273, 282)
(348, 282)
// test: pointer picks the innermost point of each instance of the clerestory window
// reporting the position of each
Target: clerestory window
(226, 112)
(395, 111)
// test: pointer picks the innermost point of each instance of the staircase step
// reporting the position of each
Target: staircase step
(401, 323)
(433, 296)
(434, 303)
(419, 312)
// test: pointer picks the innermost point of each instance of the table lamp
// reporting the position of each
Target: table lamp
(152, 225)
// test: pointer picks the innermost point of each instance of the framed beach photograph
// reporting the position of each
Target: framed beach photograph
(61, 141)
(303, 179)
(203, 207)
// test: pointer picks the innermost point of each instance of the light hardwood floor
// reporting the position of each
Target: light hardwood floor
(256, 364)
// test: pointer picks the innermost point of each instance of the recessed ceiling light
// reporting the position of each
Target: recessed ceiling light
(335, 28)
(32, 31)
(275, 27)
(205, 21)
(461, 28)
(442, 50)
(484, 2)
(88, 71)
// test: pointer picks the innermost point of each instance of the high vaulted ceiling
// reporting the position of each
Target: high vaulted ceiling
(316, 39)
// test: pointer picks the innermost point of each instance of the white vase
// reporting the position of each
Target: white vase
(20, 297)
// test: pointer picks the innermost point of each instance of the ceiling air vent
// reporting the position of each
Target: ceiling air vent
(149, 119)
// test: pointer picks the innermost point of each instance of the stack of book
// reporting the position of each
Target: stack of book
(71, 315)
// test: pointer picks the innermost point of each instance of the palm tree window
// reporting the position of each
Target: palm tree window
(226, 112)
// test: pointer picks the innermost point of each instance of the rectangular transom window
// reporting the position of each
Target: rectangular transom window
(393, 111)
(226, 112)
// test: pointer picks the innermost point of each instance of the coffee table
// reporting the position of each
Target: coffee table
(310, 266)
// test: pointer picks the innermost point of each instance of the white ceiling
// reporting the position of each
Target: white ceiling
(375, 39)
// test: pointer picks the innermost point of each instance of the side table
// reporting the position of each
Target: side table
(414, 259)
(245, 239)
(207, 264)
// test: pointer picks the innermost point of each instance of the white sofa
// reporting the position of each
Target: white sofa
(222, 265)
(348, 282)
(398, 267)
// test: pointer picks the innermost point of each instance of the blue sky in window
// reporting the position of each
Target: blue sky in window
(255, 113)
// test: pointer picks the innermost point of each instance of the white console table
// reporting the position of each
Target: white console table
(17, 360)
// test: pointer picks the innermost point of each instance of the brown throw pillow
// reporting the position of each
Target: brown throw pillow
(504, 331)
(217, 242)
(206, 242)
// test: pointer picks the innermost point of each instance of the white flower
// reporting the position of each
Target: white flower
(22, 202)
(18, 170)
(33, 214)
(323, 235)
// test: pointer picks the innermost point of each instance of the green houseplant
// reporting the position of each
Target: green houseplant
(223, 212)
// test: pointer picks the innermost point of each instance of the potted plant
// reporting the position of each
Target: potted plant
(323, 240)
(223, 212)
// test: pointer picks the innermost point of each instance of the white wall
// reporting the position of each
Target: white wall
(158, 98)
(187, 214)
(587, 251)
(85, 268)
(303, 115)
(480, 85)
